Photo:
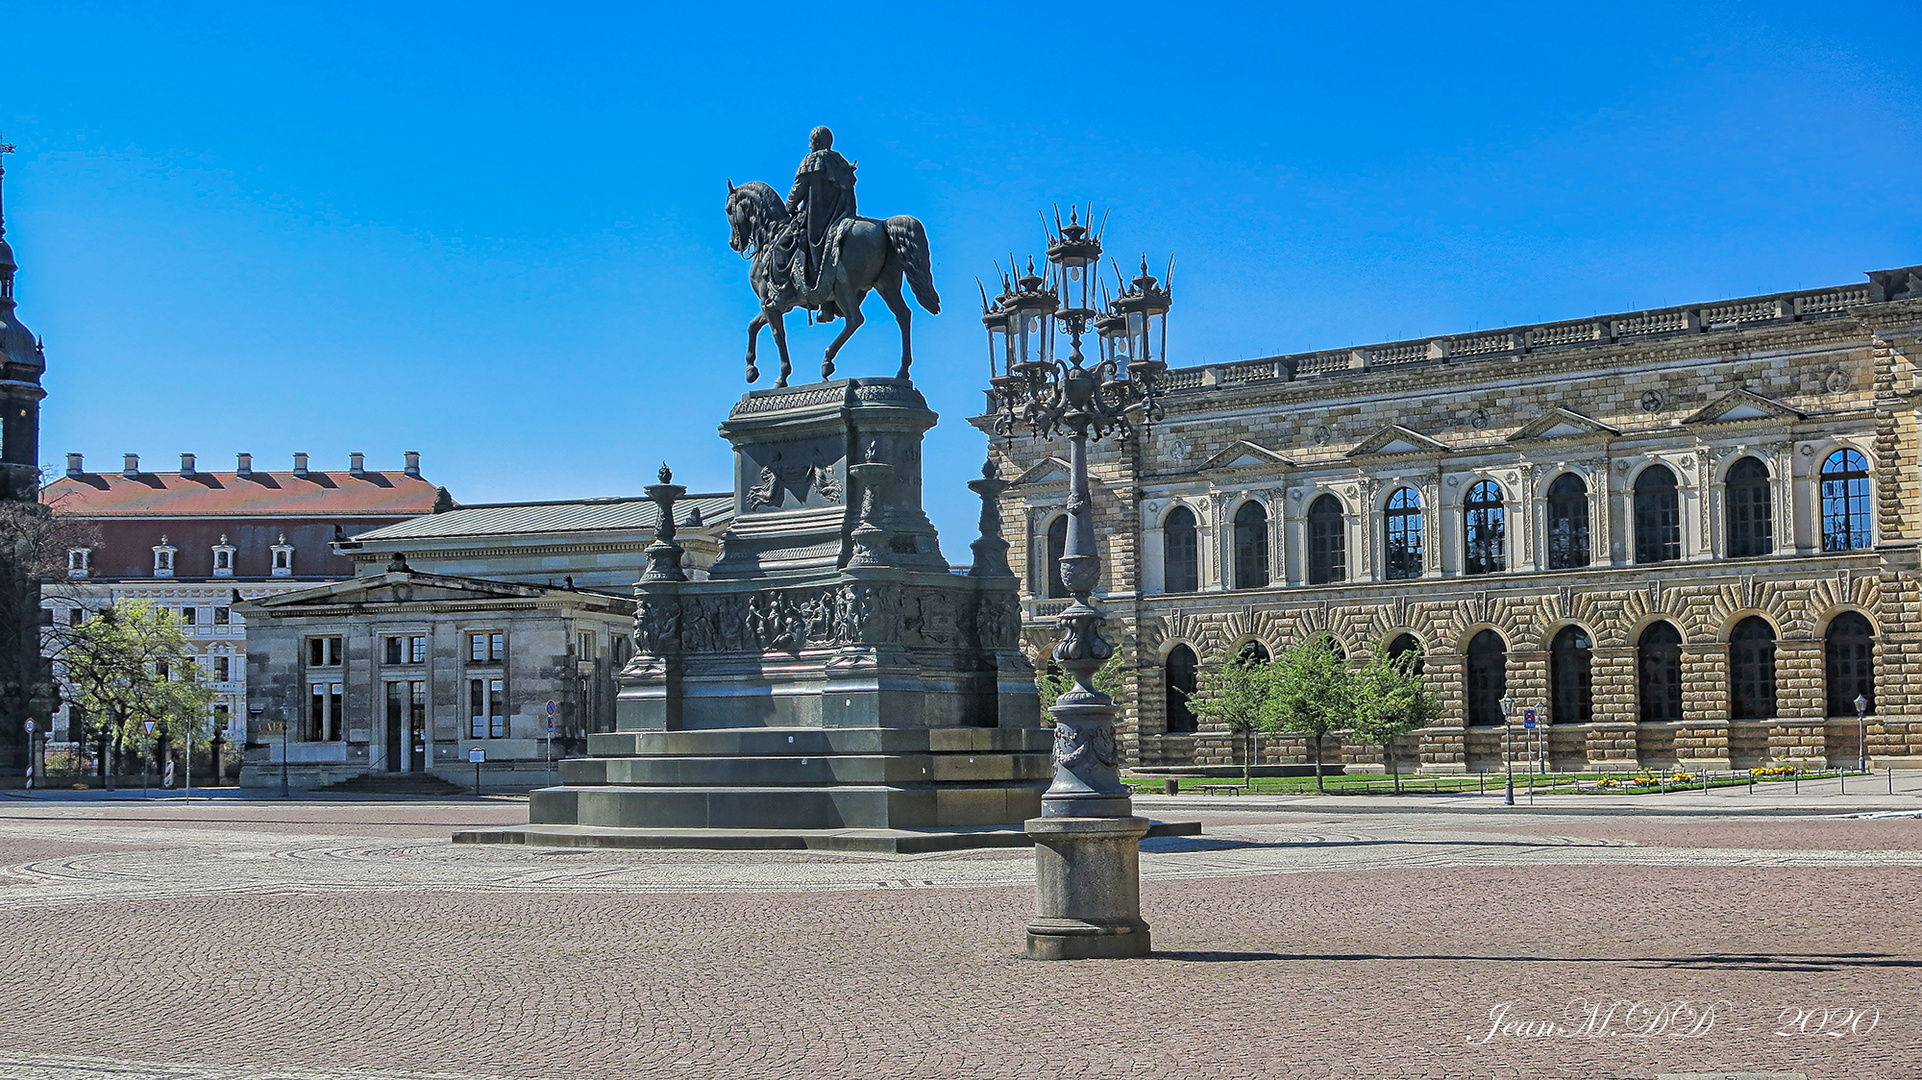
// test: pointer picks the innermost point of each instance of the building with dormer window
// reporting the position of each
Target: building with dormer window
(199, 543)
(1687, 536)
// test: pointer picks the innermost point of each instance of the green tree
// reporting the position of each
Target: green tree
(1391, 700)
(1312, 695)
(1236, 694)
(129, 665)
(1051, 682)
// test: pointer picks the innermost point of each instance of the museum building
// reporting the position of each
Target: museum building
(1685, 536)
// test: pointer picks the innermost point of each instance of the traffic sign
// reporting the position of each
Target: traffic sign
(29, 727)
(477, 755)
(1528, 719)
(148, 725)
(552, 707)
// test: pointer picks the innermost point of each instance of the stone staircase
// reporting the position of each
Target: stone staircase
(403, 784)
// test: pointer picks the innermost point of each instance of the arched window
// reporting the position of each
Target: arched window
(1402, 646)
(1658, 516)
(1180, 678)
(1751, 670)
(1401, 535)
(1484, 532)
(1487, 678)
(1180, 554)
(1327, 541)
(1845, 501)
(1658, 663)
(1253, 652)
(1251, 546)
(1848, 650)
(1057, 547)
(1748, 510)
(1568, 545)
(1571, 692)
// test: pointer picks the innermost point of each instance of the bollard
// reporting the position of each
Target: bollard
(1842, 778)
(1171, 786)
(1891, 771)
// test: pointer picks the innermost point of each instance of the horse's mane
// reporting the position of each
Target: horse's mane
(768, 202)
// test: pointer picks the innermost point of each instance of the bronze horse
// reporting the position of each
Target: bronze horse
(874, 254)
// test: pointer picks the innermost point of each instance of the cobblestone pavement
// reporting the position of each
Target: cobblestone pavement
(321, 941)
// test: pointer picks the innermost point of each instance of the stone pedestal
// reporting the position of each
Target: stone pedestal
(831, 673)
(1087, 889)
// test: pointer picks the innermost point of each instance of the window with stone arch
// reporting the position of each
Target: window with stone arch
(1658, 516)
(1658, 667)
(1848, 661)
(1403, 645)
(1748, 510)
(1251, 546)
(1057, 547)
(1252, 652)
(1402, 548)
(1845, 501)
(1571, 691)
(1751, 670)
(1180, 552)
(1179, 675)
(1327, 541)
(1484, 529)
(1487, 673)
(1568, 543)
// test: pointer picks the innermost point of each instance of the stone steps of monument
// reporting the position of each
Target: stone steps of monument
(836, 807)
(890, 841)
(786, 770)
(816, 741)
(418, 785)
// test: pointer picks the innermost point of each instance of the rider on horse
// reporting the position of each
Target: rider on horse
(822, 197)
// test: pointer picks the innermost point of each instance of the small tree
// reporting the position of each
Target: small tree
(1050, 682)
(1235, 694)
(128, 665)
(1391, 700)
(1312, 695)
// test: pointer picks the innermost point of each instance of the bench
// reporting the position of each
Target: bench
(1218, 789)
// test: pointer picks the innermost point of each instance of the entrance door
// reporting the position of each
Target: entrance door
(396, 717)
(417, 727)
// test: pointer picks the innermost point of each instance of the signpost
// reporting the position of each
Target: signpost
(145, 754)
(30, 758)
(477, 755)
(1528, 724)
(547, 749)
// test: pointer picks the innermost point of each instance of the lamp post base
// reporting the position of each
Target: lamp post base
(1087, 889)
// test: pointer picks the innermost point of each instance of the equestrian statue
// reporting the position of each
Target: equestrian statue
(811, 251)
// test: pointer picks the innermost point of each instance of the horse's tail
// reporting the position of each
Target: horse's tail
(910, 243)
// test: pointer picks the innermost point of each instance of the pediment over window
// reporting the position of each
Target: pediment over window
(1395, 439)
(402, 587)
(1560, 423)
(1742, 405)
(1048, 472)
(1245, 455)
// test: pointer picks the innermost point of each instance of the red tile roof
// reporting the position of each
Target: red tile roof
(226, 494)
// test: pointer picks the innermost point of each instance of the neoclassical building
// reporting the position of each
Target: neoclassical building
(1685, 535)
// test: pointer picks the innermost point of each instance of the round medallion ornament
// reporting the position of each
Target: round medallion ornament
(1322, 435)
(1837, 382)
(1179, 450)
(1479, 419)
(1653, 401)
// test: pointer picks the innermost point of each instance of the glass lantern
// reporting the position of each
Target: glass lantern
(1076, 255)
(1139, 321)
(1030, 328)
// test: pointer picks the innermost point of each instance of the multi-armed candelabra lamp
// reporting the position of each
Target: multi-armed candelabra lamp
(1086, 859)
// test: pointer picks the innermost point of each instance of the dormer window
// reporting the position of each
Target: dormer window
(78, 562)
(163, 558)
(223, 558)
(283, 557)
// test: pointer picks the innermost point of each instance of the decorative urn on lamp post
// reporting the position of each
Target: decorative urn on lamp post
(1087, 860)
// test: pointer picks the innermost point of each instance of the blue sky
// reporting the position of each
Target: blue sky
(494, 233)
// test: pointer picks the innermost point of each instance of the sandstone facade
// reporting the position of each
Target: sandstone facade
(1473, 431)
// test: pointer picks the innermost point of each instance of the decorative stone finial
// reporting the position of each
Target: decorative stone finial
(666, 474)
(990, 549)
(664, 555)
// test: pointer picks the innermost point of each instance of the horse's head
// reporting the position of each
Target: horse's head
(754, 211)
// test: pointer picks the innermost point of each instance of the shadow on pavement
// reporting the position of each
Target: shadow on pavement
(1713, 961)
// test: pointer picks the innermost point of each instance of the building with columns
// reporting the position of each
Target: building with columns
(1685, 536)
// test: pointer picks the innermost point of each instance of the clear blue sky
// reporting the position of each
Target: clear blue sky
(494, 233)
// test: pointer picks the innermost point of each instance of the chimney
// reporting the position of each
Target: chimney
(74, 466)
(356, 464)
(132, 469)
(413, 464)
(300, 466)
(186, 466)
(244, 466)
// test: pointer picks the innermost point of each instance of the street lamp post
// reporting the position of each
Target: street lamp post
(1508, 749)
(1861, 734)
(1087, 857)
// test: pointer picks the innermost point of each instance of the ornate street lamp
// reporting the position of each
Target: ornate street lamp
(1861, 733)
(1087, 871)
(1508, 749)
